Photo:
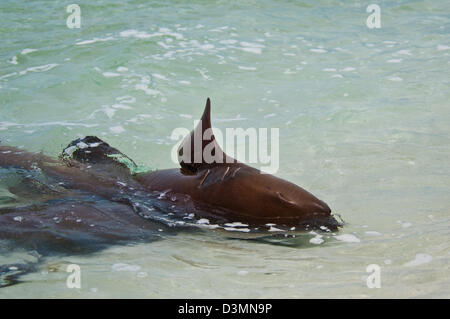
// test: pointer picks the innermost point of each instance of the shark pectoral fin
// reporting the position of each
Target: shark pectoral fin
(284, 199)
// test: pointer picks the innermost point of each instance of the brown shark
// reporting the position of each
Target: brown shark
(234, 190)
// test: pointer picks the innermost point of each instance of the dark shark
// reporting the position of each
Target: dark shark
(222, 191)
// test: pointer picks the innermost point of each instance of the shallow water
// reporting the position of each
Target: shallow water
(363, 117)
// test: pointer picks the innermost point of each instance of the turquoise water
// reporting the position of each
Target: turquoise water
(363, 117)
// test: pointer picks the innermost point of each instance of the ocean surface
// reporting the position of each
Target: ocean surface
(363, 117)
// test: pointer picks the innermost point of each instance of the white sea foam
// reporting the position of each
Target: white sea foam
(317, 240)
(110, 74)
(348, 238)
(121, 106)
(236, 224)
(26, 51)
(121, 69)
(94, 40)
(82, 145)
(442, 47)
(146, 89)
(244, 230)
(252, 47)
(117, 129)
(420, 259)
(7, 75)
(109, 111)
(373, 233)
(126, 99)
(41, 68)
(206, 46)
(404, 52)
(230, 41)
(125, 267)
(248, 68)
(395, 79)
(144, 35)
(318, 50)
(165, 46)
(160, 76)
(274, 229)
(252, 50)
(203, 74)
(394, 60)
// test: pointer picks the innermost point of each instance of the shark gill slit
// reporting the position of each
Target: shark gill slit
(204, 177)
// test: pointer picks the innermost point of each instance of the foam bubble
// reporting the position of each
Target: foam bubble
(244, 230)
(159, 76)
(117, 129)
(40, 68)
(373, 233)
(404, 52)
(144, 35)
(26, 51)
(318, 50)
(252, 50)
(236, 224)
(94, 40)
(121, 69)
(110, 74)
(348, 238)
(442, 47)
(248, 68)
(395, 79)
(394, 60)
(317, 240)
(420, 259)
(125, 267)
(230, 41)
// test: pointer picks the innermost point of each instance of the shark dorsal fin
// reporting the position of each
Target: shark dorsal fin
(199, 149)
